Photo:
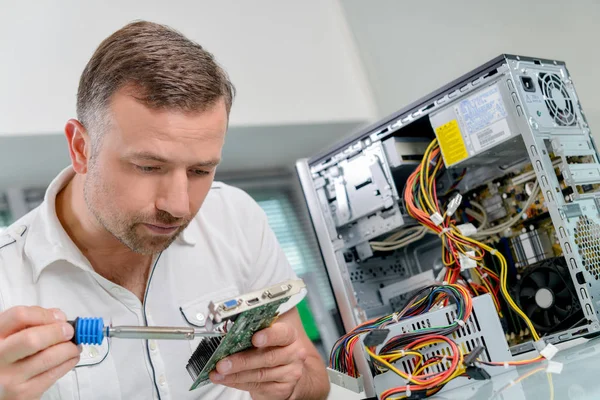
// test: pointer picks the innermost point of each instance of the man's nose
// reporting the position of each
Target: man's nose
(174, 197)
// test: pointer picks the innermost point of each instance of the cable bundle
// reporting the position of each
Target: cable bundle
(460, 253)
(342, 354)
(420, 382)
(458, 250)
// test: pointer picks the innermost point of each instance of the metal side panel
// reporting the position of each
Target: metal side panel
(335, 264)
(552, 121)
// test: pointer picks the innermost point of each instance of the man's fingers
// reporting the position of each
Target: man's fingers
(260, 358)
(279, 334)
(18, 318)
(42, 382)
(32, 340)
(285, 373)
(46, 360)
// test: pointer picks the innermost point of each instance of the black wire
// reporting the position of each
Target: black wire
(462, 275)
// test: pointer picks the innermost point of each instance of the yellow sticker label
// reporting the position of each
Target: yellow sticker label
(451, 142)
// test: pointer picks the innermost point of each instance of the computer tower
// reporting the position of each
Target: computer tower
(516, 145)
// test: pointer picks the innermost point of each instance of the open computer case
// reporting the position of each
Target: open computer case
(516, 145)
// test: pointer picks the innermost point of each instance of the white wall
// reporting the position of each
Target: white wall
(290, 60)
(410, 48)
(301, 85)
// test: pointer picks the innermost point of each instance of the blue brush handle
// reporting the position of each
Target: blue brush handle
(88, 330)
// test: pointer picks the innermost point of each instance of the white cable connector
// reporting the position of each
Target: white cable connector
(395, 317)
(460, 322)
(408, 392)
(467, 230)
(506, 366)
(436, 218)
(493, 252)
(484, 275)
(549, 351)
(454, 204)
(466, 260)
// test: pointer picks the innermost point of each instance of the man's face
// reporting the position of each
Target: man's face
(152, 171)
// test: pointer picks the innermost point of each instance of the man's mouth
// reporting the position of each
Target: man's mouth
(162, 229)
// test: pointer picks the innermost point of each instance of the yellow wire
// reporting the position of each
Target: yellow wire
(459, 370)
(391, 367)
(425, 167)
(503, 282)
(551, 385)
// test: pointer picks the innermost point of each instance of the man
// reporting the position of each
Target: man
(137, 232)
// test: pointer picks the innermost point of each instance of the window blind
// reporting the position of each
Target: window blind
(290, 223)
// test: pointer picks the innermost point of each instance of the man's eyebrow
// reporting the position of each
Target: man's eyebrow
(204, 164)
(147, 156)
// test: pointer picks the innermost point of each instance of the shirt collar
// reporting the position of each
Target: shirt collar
(47, 241)
(187, 237)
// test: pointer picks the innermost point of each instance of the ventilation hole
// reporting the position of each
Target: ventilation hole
(406, 367)
(474, 316)
(587, 238)
(486, 354)
(557, 99)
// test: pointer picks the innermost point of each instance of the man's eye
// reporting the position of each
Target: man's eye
(144, 168)
(200, 172)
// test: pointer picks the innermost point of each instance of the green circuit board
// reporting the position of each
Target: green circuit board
(211, 350)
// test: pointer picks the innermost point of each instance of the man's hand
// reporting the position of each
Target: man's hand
(272, 370)
(35, 351)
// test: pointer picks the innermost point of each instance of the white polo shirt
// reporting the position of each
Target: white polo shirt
(227, 249)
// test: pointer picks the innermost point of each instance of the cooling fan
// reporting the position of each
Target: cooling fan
(547, 295)
(557, 99)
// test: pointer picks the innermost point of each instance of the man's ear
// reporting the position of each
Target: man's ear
(79, 145)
